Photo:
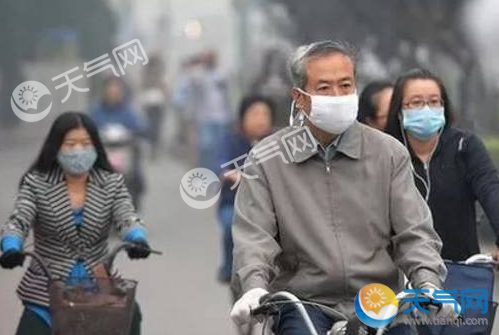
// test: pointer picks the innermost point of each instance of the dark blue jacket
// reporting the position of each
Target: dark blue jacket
(104, 114)
(460, 173)
(234, 146)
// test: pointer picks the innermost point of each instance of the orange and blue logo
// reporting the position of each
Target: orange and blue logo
(376, 305)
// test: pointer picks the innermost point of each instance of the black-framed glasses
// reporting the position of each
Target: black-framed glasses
(420, 103)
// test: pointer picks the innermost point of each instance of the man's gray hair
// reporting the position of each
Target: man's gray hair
(298, 61)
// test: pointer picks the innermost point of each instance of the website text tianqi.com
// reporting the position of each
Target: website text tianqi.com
(376, 305)
(447, 322)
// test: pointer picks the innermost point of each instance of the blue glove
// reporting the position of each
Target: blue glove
(12, 252)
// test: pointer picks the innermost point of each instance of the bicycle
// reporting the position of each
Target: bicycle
(269, 306)
(476, 273)
(82, 306)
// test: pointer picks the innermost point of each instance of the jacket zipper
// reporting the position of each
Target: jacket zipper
(338, 237)
(423, 181)
(427, 170)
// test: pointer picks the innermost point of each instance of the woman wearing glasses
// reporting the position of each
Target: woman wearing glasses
(451, 167)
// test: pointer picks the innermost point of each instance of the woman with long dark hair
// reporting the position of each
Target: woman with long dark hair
(71, 198)
(452, 168)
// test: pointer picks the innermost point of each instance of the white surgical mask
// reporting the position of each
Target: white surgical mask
(333, 114)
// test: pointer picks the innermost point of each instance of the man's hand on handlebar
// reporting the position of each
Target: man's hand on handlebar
(440, 306)
(241, 312)
(441, 310)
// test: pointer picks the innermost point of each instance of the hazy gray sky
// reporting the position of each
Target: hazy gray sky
(216, 17)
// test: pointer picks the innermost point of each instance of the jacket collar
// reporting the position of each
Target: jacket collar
(350, 145)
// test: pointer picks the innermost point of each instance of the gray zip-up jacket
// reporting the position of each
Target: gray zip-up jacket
(325, 230)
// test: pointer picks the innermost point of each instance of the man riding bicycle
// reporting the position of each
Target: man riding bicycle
(334, 217)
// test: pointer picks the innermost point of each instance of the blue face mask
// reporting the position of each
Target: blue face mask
(423, 123)
(77, 162)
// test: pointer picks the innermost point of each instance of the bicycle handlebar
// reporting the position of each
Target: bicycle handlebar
(266, 305)
(269, 306)
(480, 259)
(107, 261)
